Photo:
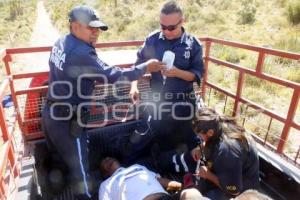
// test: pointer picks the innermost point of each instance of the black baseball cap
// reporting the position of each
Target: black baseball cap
(88, 16)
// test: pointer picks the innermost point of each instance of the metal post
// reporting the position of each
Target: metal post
(238, 92)
(6, 60)
(289, 120)
(3, 124)
(260, 62)
(204, 81)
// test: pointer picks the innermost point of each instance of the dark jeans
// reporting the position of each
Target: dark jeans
(73, 150)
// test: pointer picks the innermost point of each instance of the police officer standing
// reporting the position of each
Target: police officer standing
(175, 85)
(74, 67)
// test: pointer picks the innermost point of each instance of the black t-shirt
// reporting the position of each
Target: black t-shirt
(236, 167)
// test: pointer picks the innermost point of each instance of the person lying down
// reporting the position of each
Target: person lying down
(135, 182)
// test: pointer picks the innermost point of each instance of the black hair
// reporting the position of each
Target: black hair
(171, 7)
(224, 127)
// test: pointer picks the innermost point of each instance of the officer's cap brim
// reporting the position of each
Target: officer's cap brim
(98, 24)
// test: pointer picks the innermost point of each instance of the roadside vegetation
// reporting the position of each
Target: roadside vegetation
(16, 21)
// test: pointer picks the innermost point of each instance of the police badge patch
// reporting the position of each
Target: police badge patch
(187, 54)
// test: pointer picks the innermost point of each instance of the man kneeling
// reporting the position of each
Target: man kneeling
(135, 182)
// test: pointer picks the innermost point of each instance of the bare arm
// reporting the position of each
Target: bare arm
(168, 184)
(178, 73)
(134, 92)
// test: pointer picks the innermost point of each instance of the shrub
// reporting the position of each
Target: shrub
(293, 75)
(293, 10)
(247, 12)
(15, 9)
(16, 17)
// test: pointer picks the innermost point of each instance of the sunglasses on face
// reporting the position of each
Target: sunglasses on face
(170, 27)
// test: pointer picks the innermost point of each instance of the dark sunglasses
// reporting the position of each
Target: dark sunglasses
(170, 27)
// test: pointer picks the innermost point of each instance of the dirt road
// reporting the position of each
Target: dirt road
(44, 34)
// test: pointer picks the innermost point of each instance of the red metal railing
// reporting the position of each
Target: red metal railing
(7, 156)
(9, 165)
(288, 121)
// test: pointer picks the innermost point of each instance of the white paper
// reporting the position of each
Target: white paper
(168, 59)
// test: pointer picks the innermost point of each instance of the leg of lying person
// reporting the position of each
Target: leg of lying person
(73, 151)
(173, 162)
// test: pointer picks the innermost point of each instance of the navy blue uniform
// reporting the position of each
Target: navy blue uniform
(188, 57)
(236, 167)
(70, 59)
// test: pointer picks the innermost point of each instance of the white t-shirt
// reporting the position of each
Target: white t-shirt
(131, 183)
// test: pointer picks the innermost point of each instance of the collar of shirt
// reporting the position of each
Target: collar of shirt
(79, 40)
(183, 37)
(118, 170)
(128, 172)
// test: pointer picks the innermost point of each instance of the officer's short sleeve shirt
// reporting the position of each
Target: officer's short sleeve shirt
(188, 57)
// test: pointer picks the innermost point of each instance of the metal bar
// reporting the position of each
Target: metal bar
(3, 158)
(244, 120)
(205, 75)
(3, 125)
(13, 93)
(209, 96)
(267, 133)
(289, 120)
(7, 58)
(3, 87)
(273, 52)
(260, 62)
(239, 90)
(260, 140)
(33, 136)
(225, 104)
(221, 90)
(253, 105)
(32, 90)
(35, 120)
(28, 50)
(296, 157)
(12, 160)
(29, 75)
(264, 76)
